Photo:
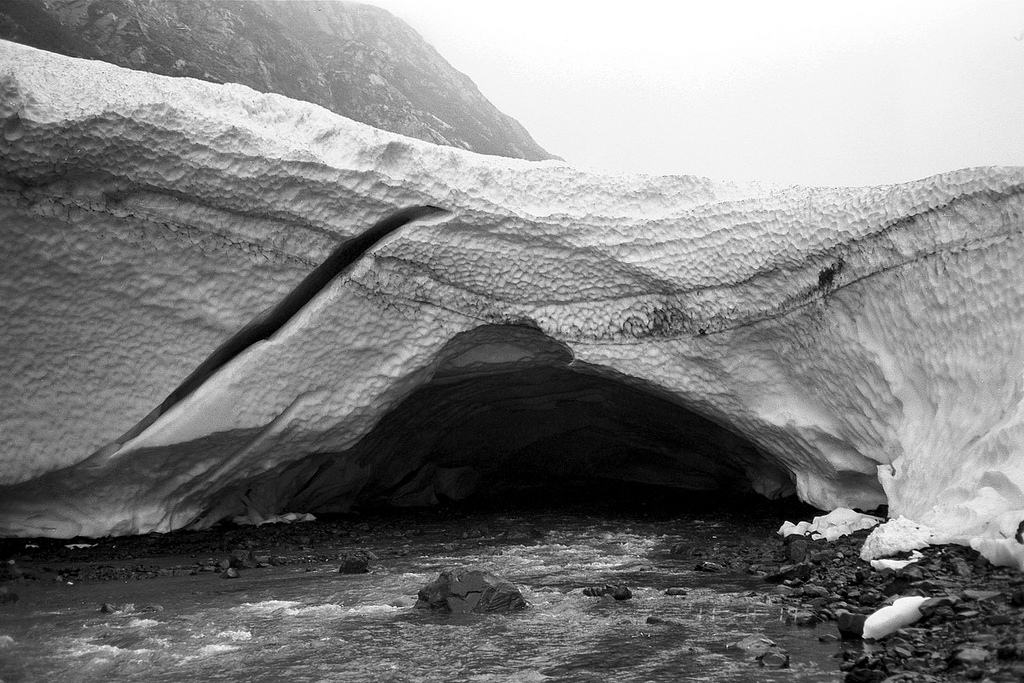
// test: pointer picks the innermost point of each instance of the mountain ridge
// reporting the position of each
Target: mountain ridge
(356, 60)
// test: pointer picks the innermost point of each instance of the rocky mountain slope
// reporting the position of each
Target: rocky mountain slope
(356, 60)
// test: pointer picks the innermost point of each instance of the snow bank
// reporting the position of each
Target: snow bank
(861, 345)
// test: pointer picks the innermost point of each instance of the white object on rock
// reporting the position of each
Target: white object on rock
(836, 524)
(878, 565)
(902, 612)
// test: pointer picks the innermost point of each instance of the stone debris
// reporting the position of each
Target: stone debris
(764, 650)
(614, 591)
(357, 562)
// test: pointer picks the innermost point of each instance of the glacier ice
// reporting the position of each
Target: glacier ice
(857, 346)
(891, 618)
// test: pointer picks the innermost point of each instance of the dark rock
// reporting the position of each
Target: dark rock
(983, 596)
(803, 618)
(617, 592)
(356, 562)
(901, 651)
(861, 575)
(961, 568)
(790, 572)
(851, 626)
(242, 559)
(755, 645)
(865, 676)
(112, 608)
(870, 598)
(129, 608)
(764, 651)
(896, 586)
(462, 590)
(813, 591)
(676, 591)
(912, 572)
(797, 550)
(775, 659)
(709, 567)
(933, 605)
(928, 586)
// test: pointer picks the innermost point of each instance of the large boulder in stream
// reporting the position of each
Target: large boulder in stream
(465, 589)
(854, 346)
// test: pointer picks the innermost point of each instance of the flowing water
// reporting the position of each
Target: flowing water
(309, 623)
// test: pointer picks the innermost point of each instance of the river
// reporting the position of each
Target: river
(304, 621)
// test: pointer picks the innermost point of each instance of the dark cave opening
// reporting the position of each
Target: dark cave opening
(509, 418)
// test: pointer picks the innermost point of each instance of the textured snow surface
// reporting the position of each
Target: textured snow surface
(860, 345)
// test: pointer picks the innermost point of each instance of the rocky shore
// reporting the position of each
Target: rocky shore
(971, 628)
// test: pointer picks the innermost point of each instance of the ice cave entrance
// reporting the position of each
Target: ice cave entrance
(508, 411)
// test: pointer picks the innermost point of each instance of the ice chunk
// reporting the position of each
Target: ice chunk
(896, 536)
(836, 524)
(879, 565)
(902, 612)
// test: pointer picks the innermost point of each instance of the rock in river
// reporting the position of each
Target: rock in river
(463, 589)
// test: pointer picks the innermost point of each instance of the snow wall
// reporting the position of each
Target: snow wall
(857, 346)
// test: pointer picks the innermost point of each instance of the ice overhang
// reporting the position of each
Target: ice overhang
(861, 345)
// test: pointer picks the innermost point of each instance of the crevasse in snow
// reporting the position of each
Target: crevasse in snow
(857, 346)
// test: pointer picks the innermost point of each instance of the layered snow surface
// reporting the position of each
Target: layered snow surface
(857, 346)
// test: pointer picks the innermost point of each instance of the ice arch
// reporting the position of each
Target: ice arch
(507, 402)
(858, 345)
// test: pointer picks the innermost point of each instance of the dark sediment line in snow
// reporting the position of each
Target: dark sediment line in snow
(273, 319)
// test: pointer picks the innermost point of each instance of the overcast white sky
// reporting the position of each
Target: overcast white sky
(822, 93)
